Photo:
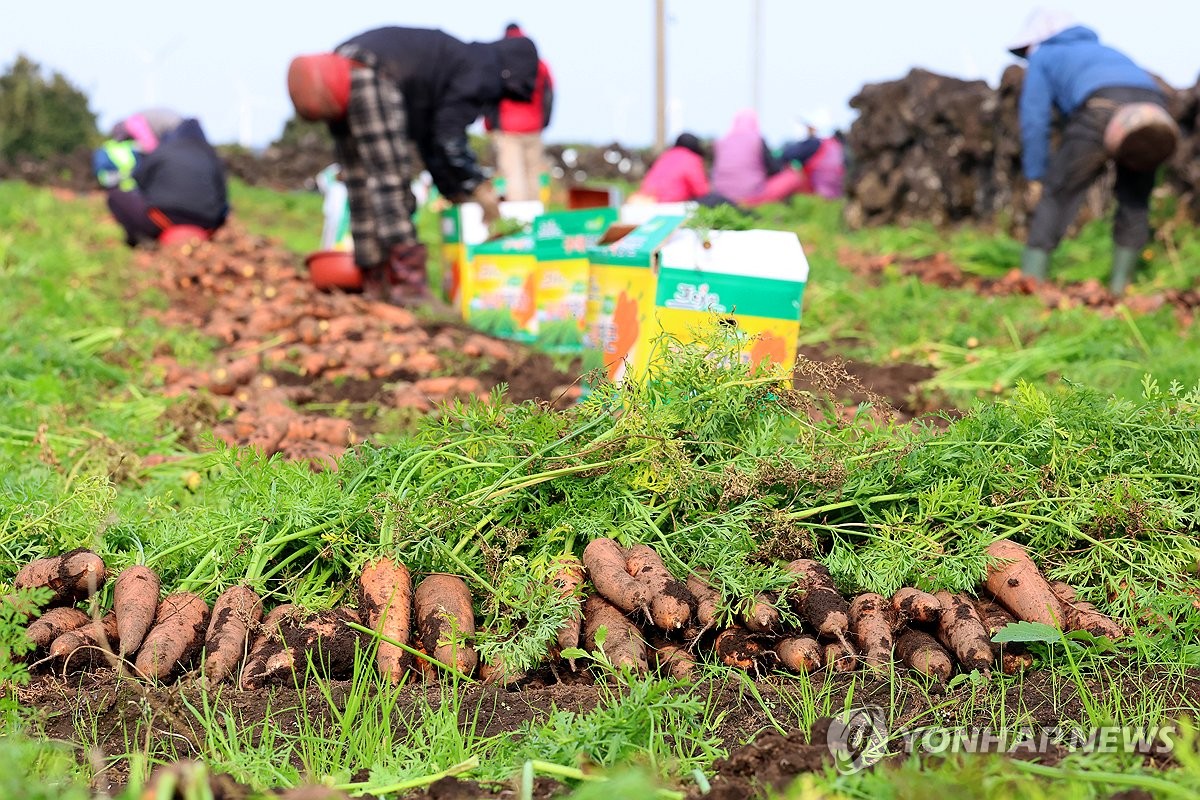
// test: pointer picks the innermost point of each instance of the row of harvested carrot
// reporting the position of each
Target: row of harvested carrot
(648, 615)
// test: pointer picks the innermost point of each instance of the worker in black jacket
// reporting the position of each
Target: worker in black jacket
(180, 182)
(384, 92)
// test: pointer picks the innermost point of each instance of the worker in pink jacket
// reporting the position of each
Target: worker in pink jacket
(678, 174)
(741, 161)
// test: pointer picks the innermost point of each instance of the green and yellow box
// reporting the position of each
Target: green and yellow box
(462, 229)
(561, 242)
(498, 288)
(662, 277)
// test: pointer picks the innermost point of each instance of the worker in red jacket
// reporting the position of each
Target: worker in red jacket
(516, 129)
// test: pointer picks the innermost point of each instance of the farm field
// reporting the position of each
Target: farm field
(201, 412)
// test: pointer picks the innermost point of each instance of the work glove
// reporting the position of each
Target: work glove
(1033, 195)
(485, 195)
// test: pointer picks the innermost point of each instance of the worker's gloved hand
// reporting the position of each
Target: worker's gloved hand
(485, 195)
(1033, 195)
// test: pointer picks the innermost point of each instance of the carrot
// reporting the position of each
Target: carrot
(494, 671)
(962, 632)
(839, 656)
(737, 647)
(268, 638)
(799, 653)
(872, 622)
(1019, 586)
(605, 564)
(101, 633)
(567, 577)
(135, 602)
(54, 623)
(236, 611)
(1012, 657)
(670, 601)
(623, 642)
(446, 621)
(324, 637)
(913, 605)
(675, 661)
(177, 634)
(922, 653)
(821, 603)
(385, 601)
(707, 599)
(72, 576)
(762, 617)
(1084, 616)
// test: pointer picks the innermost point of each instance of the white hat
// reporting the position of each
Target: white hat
(1041, 25)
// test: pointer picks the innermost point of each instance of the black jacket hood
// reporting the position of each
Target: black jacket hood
(518, 60)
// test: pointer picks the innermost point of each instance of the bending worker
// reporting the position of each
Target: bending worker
(387, 91)
(1114, 110)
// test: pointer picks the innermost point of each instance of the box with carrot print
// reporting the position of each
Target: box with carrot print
(663, 277)
(463, 229)
(498, 287)
(561, 242)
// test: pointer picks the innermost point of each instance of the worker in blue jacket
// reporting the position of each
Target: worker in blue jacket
(1088, 83)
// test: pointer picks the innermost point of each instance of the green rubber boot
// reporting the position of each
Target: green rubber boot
(1035, 263)
(1125, 260)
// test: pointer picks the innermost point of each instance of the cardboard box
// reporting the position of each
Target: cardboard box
(640, 213)
(463, 228)
(661, 277)
(498, 288)
(580, 197)
(561, 242)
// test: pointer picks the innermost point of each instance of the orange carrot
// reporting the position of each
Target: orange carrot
(72, 576)
(446, 621)
(737, 647)
(623, 642)
(1083, 616)
(236, 611)
(54, 623)
(872, 623)
(821, 603)
(135, 602)
(101, 633)
(1018, 585)
(605, 564)
(675, 661)
(1013, 657)
(913, 605)
(799, 653)
(762, 617)
(670, 601)
(177, 634)
(385, 601)
(839, 656)
(567, 577)
(707, 599)
(962, 632)
(922, 653)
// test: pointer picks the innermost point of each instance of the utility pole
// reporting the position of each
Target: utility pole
(756, 57)
(660, 76)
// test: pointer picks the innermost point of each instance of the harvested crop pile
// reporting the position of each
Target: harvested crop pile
(930, 635)
(934, 148)
(284, 345)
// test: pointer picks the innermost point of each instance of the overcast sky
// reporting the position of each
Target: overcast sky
(225, 62)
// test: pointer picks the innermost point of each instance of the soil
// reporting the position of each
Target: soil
(99, 710)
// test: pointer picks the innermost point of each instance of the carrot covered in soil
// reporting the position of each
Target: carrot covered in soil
(707, 599)
(1081, 615)
(1012, 657)
(675, 661)
(267, 638)
(71, 576)
(872, 622)
(54, 623)
(762, 617)
(1018, 585)
(446, 621)
(913, 605)
(670, 601)
(567, 577)
(325, 638)
(961, 630)
(623, 642)
(921, 652)
(799, 653)
(821, 603)
(385, 602)
(839, 656)
(101, 633)
(236, 611)
(738, 647)
(605, 564)
(135, 602)
(177, 634)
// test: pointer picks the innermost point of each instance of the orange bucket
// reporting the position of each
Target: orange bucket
(334, 269)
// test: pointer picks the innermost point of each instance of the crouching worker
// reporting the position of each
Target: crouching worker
(388, 91)
(1114, 111)
(180, 182)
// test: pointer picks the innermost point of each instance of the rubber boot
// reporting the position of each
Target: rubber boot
(1035, 263)
(1125, 260)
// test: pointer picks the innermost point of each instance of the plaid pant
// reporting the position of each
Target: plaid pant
(376, 158)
